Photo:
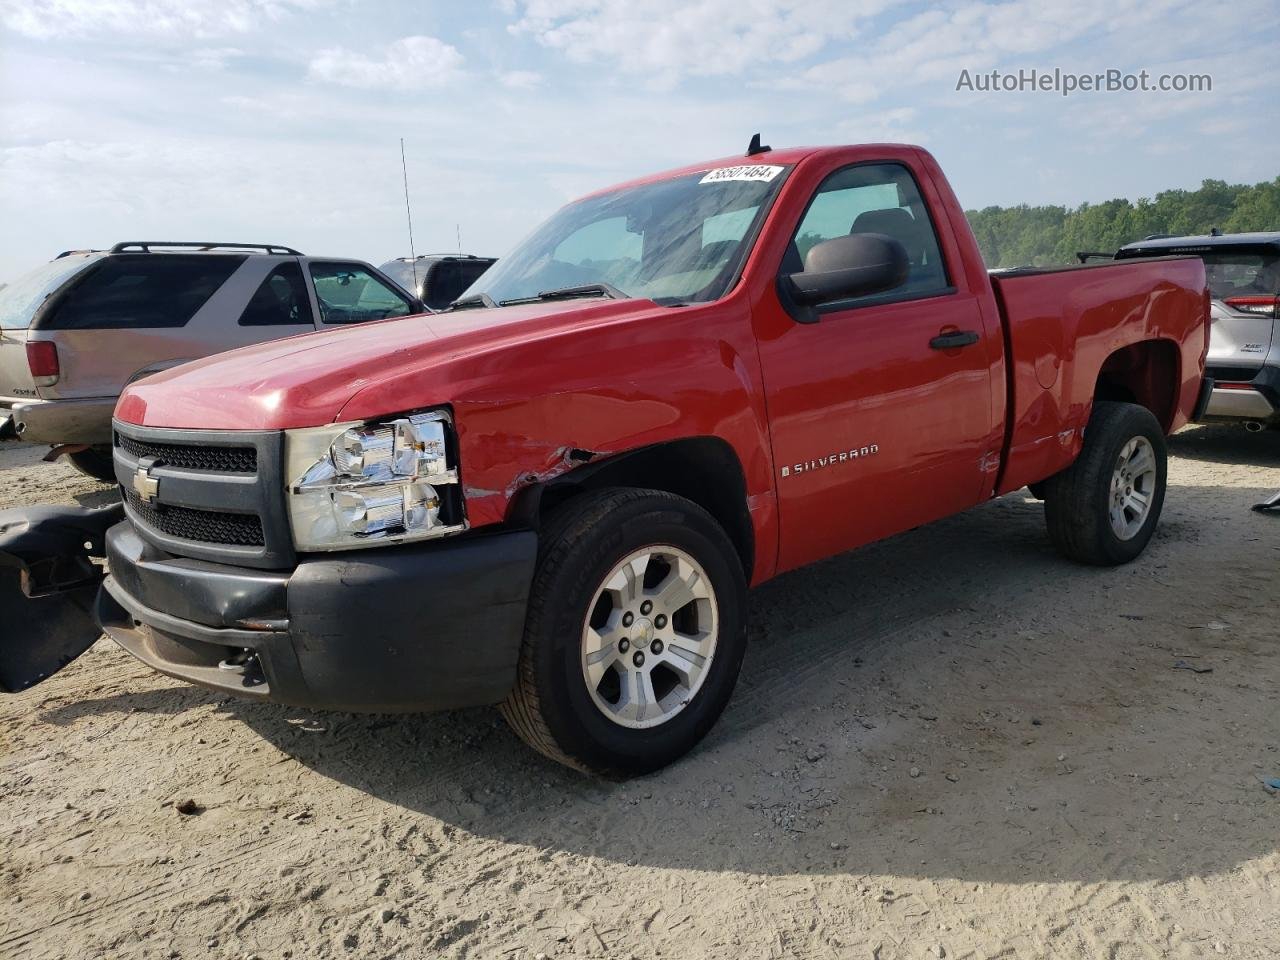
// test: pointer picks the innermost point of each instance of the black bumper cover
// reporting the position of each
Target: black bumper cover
(402, 628)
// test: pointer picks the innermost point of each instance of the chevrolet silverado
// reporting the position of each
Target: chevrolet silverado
(554, 496)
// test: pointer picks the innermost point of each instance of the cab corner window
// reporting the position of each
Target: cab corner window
(280, 301)
(348, 293)
(874, 198)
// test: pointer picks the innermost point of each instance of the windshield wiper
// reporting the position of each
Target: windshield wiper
(572, 293)
(475, 300)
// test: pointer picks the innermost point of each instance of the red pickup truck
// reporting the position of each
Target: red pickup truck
(554, 496)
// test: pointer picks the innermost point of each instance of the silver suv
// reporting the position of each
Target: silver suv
(1243, 272)
(76, 331)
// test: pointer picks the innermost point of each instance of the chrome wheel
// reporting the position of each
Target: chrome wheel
(1133, 485)
(649, 637)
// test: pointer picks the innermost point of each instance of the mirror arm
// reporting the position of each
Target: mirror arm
(796, 308)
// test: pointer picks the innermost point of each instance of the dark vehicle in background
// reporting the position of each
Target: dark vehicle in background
(77, 330)
(437, 279)
(1243, 273)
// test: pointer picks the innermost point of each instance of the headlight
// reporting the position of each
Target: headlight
(364, 484)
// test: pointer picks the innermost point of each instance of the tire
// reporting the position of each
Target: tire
(603, 727)
(1123, 462)
(95, 462)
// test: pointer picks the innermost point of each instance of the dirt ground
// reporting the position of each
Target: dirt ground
(950, 744)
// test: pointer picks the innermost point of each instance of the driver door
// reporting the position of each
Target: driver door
(876, 428)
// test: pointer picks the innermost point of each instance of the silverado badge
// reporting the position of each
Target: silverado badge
(841, 456)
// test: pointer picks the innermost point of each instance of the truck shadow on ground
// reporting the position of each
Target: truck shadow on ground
(900, 707)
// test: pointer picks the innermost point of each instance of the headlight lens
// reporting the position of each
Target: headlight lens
(353, 485)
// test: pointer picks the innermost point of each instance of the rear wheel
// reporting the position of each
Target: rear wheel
(94, 462)
(635, 633)
(1104, 508)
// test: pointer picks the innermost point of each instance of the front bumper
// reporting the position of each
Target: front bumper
(62, 421)
(404, 628)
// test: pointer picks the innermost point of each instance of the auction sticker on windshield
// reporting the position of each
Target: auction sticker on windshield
(761, 172)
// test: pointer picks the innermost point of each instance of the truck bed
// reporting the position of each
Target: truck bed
(1071, 330)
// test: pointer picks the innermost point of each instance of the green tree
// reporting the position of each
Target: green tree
(1049, 235)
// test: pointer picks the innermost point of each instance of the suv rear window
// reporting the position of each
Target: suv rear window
(20, 300)
(141, 291)
(1241, 274)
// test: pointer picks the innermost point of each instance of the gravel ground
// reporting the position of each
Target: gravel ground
(949, 744)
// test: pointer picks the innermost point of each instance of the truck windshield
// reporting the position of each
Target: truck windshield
(675, 241)
(20, 300)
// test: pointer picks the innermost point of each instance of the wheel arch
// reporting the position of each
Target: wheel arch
(1147, 373)
(703, 469)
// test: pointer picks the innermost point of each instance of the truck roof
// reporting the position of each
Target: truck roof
(784, 156)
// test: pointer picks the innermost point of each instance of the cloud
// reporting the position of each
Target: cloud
(893, 125)
(667, 40)
(47, 19)
(520, 79)
(408, 64)
(924, 54)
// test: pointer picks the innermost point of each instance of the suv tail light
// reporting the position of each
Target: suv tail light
(42, 360)
(1257, 306)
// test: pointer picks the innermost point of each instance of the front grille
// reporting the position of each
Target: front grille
(202, 526)
(191, 457)
(220, 494)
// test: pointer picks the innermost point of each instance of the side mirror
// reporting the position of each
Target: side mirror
(852, 266)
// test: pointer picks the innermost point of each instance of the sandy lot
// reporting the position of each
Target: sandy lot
(950, 744)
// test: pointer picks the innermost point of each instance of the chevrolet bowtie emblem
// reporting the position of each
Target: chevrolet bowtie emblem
(145, 485)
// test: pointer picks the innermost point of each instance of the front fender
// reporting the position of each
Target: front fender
(48, 582)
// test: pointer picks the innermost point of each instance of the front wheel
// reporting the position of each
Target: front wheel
(635, 633)
(1103, 509)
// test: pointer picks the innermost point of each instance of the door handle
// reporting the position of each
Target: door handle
(954, 340)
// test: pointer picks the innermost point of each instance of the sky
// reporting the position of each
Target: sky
(280, 120)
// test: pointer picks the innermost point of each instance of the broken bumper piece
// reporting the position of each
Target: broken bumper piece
(48, 582)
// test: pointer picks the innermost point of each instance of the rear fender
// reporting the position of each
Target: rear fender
(48, 582)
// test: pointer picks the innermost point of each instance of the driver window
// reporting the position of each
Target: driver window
(874, 198)
(348, 293)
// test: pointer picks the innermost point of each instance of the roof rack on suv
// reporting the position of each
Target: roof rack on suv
(443, 256)
(146, 245)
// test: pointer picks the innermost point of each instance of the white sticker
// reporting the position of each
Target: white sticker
(758, 172)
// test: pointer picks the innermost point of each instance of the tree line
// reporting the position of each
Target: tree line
(1048, 235)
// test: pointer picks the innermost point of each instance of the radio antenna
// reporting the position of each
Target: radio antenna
(413, 259)
(458, 227)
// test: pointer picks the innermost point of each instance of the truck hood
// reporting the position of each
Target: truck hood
(306, 380)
